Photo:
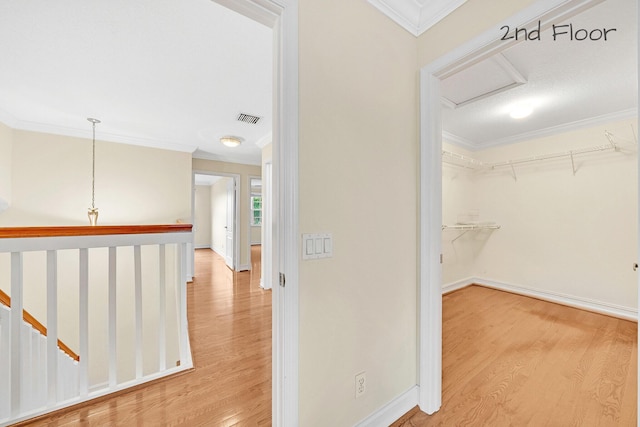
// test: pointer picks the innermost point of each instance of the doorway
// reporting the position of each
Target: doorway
(216, 213)
(483, 46)
(282, 17)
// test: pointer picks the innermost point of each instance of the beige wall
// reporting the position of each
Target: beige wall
(51, 181)
(458, 200)
(218, 200)
(51, 185)
(6, 145)
(201, 165)
(202, 217)
(358, 180)
(564, 234)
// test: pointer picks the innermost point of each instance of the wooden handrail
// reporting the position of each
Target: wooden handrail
(98, 230)
(6, 300)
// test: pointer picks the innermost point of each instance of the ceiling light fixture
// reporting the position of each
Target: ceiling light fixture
(231, 141)
(521, 111)
(93, 211)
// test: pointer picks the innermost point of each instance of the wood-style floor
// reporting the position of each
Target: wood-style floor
(230, 330)
(510, 360)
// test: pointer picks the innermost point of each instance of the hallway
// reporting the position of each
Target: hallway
(230, 331)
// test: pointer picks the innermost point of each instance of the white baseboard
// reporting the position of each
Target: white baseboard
(392, 410)
(219, 251)
(244, 267)
(202, 247)
(609, 309)
(454, 286)
(256, 243)
(622, 312)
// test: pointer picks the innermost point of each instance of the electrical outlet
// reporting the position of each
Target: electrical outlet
(361, 384)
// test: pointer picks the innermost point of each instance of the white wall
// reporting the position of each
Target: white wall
(564, 234)
(6, 146)
(358, 177)
(202, 217)
(218, 209)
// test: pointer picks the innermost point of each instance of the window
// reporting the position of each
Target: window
(256, 210)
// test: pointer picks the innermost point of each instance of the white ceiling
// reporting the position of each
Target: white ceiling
(161, 73)
(569, 83)
(175, 75)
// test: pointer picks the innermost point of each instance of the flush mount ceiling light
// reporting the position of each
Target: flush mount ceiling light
(521, 111)
(231, 141)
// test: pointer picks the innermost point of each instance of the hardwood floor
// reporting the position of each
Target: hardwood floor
(510, 360)
(230, 330)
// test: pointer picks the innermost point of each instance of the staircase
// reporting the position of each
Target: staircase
(117, 293)
(34, 391)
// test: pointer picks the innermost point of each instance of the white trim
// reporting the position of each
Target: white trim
(415, 17)
(237, 159)
(218, 251)
(282, 16)
(236, 232)
(459, 141)
(285, 203)
(602, 307)
(627, 313)
(203, 247)
(459, 284)
(566, 127)
(164, 144)
(393, 410)
(430, 309)
(484, 45)
(264, 141)
(250, 225)
(540, 133)
(243, 267)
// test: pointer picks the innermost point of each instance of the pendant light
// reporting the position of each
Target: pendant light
(93, 211)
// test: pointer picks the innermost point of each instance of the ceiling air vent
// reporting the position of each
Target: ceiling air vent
(248, 118)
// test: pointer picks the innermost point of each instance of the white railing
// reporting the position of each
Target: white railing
(115, 295)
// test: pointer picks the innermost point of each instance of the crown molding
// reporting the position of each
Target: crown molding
(416, 16)
(199, 154)
(8, 119)
(265, 140)
(103, 136)
(540, 133)
(566, 127)
(459, 141)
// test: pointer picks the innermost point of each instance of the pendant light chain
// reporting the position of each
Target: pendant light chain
(93, 211)
(93, 168)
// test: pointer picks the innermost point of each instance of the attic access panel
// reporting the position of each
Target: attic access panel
(488, 77)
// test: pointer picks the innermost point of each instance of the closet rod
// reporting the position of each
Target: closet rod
(471, 163)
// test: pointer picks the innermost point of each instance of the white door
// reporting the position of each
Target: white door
(231, 215)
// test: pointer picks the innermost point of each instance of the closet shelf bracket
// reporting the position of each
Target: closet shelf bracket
(465, 228)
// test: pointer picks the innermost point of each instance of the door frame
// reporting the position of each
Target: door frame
(250, 219)
(235, 236)
(282, 17)
(236, 219)
(266, 276)
(430, 287)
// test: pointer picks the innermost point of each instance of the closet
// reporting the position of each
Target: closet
(553, 217)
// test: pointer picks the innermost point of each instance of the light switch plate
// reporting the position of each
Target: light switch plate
(317, 245)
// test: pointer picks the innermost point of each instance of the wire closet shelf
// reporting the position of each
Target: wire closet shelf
(477, 165)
